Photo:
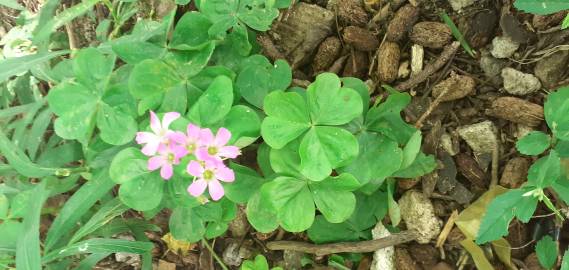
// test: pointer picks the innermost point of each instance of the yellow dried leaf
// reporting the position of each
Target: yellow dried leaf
(179, 247)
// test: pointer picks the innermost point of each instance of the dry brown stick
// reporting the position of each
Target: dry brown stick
(420, 77)
(356, 247)
(495, 162)
(431, 108)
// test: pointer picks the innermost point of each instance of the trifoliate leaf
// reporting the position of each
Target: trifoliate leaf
(545, 171)
(534, 143)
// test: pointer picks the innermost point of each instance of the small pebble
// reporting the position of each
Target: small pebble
(481, 137)
(458, 5)
(503, 47)
(519, 83)
(419, 214)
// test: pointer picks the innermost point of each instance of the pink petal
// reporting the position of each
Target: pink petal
(169, 118)
(179, 152)
(206, 137)
(224, 174)
(197, 187)
(155, 123)
(193, 131)
(151, 148)
(222, 137)
(155, 162)
(177, 137)
(215, 190)
(229, 151)
(166, 171)
(202, 154)
(145, 137)
(195, 168)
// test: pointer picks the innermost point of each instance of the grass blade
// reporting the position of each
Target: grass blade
(108, 212)
(17, 65)
(28, 256)
(91, 260)
(99, 245)
(457, 34)
(77, 206)
(11, 4)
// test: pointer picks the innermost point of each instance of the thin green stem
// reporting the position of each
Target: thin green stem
(219, 261)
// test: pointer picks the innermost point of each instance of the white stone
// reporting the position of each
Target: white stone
(383, 259)
(519, 83)
(481, 137)
(419, 214)
(503, 47)
(458, 5)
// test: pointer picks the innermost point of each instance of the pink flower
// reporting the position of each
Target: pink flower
(214, 148)
(187, 143)
(209, 173)
(160, 134)
(166, 158)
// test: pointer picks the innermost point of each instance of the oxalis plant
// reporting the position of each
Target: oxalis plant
(547, 175)
(544, 7)
(175, 114)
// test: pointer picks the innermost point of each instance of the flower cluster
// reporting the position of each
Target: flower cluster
(166, 147)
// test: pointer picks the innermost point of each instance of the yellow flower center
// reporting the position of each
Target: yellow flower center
(208, 175)
(212, 150)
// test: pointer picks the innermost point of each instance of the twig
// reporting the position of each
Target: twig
(355, 247)
(495, 160)
(446, 229)
(431, 108)
(219, 261)
(420, 77)
(70, 34)
(336, 67)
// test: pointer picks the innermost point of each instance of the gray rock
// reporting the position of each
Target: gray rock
(503, 47)
(419, 214)
(300, 33)
(519, 83)
(458, 5)
(492, 66)
(550, 70)
(481, 137)
(292, 259)
(383, 259)
(231, 254)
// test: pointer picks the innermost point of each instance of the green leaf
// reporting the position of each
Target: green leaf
(10, 231)
(561, 186)
(386, 118)
(190, 63)
(247, 182)
(565, 262)
(214, 104)
(191, 32)
(292, 200)
(127, 165)
(4, 206)
(144, 193)
(546, 250)
(501, 211)
(260, 216)
(92, 69)
(256, 14)
(99, 245)
(28, 254)
(543, 7)
(534, 143)
(286, 161)
(260, 263)
(329, 104)
(565, 25)
(422, 165)
(137, 51)
(17, 159)
(333, 197)
(186, 225)
(545, 171)
(43, 32)
(244, 125)
(361, 88)
(411, 149)
(325, 148)
(287, 118)
(556, 109)
(12, 4)
(562, 148)
(14, 66)
(91, 261)
(108, 211)
(256, 81)
(79, 204)
(116, 126)
(392, 207)
(151, 77)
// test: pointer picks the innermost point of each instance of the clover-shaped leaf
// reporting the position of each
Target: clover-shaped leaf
(191, 32)
(556, 109)
(214, 104)
(322, 146)
(257, 14)
(534, 143)
(89, 102)
(258, 79)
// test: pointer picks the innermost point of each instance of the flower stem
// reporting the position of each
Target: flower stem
(219, 261)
